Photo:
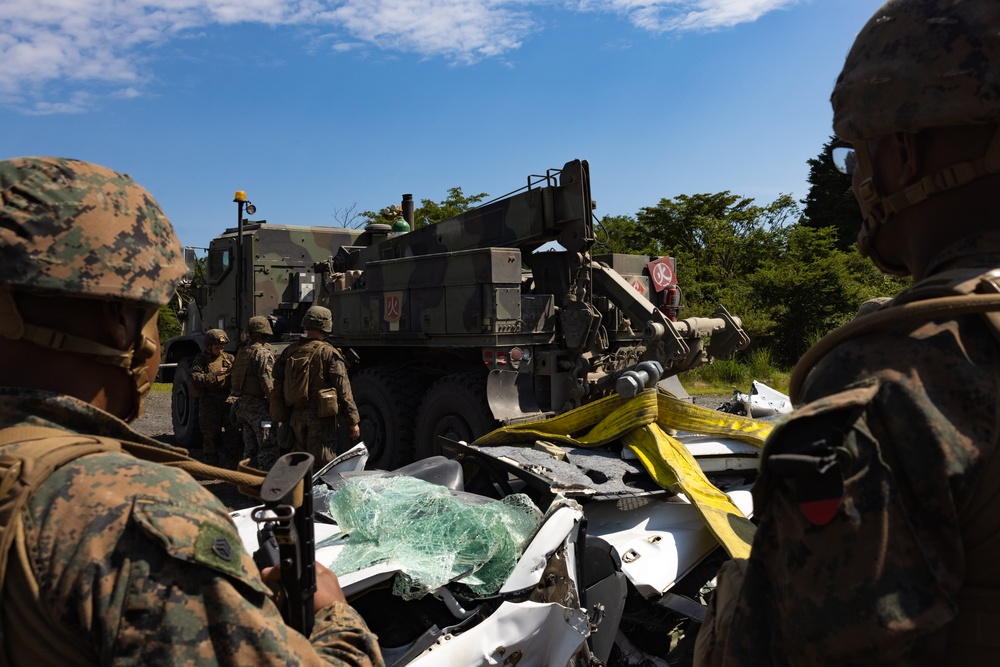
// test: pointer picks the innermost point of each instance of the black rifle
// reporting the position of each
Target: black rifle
(285, 535)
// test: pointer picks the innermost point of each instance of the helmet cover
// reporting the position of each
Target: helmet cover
(75, 228)
(260, 325)
(318, 317)
(215, 337)
(919, 64)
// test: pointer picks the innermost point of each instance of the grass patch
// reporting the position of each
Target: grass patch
(725, 377)
(162, 386)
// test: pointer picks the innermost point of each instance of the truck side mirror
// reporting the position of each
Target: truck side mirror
(189, 259)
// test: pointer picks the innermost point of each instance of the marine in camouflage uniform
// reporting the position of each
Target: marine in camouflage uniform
(114, 559)
(210, 378)
(252, 380)
(879, 517)
(312, 433)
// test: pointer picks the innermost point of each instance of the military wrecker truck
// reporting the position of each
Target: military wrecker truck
(473, 322)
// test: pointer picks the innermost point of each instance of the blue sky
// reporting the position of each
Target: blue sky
(317, 106)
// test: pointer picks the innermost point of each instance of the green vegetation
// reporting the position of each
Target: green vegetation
(792, 275)
(724, 377)
(430, 212)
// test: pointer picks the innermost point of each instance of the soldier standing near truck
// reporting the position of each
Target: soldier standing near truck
(107, 558)
(311, 376)
(878, 503)
(252, 382)
(210, 379)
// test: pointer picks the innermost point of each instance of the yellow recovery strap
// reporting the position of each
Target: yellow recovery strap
(640, 423)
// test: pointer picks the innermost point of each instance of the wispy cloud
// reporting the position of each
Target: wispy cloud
(70, 45)
(680, 15)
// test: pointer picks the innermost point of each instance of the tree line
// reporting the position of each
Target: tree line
(791, 272)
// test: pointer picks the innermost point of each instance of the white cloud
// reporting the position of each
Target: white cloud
(48, 45)
(678, 15)
(464, 30)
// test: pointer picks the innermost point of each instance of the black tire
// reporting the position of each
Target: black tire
(184, 408)
(454, 407)
(386, 399)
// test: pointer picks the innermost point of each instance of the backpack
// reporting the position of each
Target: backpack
(297, 371)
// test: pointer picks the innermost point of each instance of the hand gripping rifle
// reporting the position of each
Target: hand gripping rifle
(285, 535)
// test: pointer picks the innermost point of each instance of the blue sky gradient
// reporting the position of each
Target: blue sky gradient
(314, 106)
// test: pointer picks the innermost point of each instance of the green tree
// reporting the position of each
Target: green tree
(167, 323)
(429, 212)
(718, 241)
(723, 232)
(813, 288)
(831, 202)
(618, 234)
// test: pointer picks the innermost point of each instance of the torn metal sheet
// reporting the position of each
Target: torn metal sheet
(720, 454)
(525, 634)
(762, 402)
(658, 541)
(558, 528)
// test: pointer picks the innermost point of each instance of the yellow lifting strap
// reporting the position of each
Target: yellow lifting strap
(640, 422)
(682, 416)
(673, 467)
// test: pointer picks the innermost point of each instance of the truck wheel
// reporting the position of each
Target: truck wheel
(386, 403)
(454, 407)
(184, 408)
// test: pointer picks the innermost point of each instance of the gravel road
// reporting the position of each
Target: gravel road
(156, 423)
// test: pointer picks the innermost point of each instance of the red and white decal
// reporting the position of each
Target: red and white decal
(662, 273)
(393, 307)
(638, 287)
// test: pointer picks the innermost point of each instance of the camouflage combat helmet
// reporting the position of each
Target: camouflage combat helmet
(75, 228)
(215, 337)
(318, 317)
(71, 228)
(919, 64)
(259, 325)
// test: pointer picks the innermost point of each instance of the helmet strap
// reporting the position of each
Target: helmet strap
(133, 361)
(880, 208)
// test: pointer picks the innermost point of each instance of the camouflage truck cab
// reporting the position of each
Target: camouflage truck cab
(279, 283)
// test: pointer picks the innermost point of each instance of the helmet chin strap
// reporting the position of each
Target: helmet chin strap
(132, 361)
(881, 208)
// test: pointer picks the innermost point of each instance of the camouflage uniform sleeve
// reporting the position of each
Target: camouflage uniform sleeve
(263, 365)
(202, 376)
(147, 567)
(227, 366)
(336, 373)
(341, 634)
(858, 557)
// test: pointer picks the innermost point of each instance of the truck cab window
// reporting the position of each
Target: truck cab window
(219, 262)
